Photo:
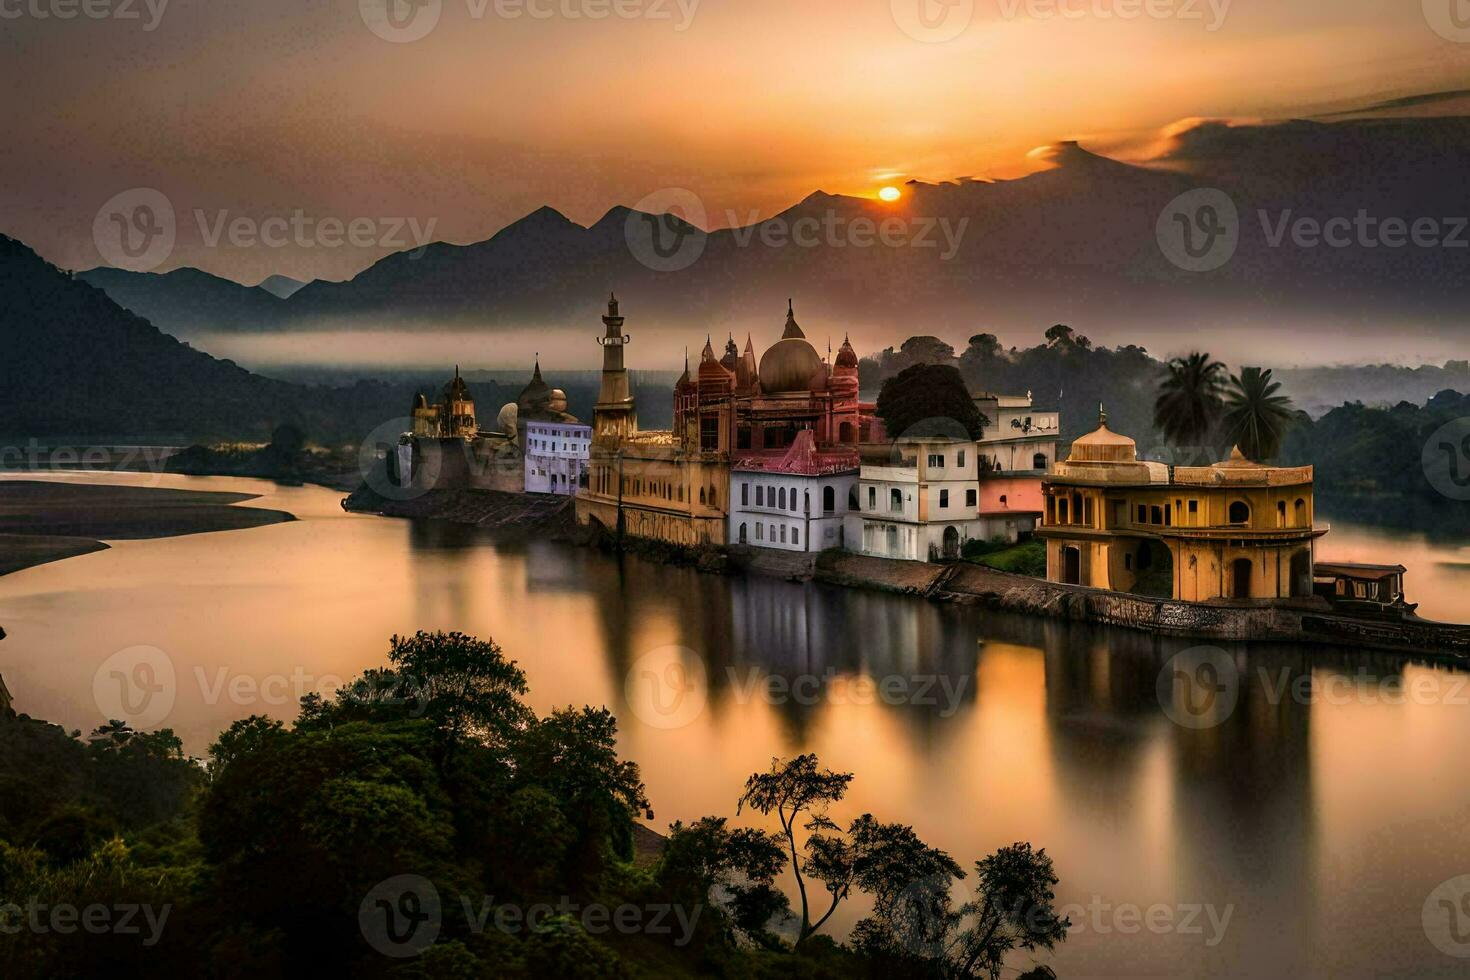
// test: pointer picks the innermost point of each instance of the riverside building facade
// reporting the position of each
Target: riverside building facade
(1237, 530)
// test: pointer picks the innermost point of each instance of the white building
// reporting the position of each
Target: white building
(795, 499)
(919, 500)
(1017, 439)
(556, 456)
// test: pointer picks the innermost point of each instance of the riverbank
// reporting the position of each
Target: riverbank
(1295, 621)
(44, 521)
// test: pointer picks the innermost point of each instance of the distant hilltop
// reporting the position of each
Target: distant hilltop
(1314, 205)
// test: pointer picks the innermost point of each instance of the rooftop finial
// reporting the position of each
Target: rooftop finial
(790, 310)
(1102, 416)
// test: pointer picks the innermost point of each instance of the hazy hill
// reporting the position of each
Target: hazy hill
(181, 300)
(75, 365)
(1074, 244)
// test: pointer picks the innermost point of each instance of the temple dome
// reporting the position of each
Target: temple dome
(536, 394)
(1103, 445)
(846, 356)
(791, 362)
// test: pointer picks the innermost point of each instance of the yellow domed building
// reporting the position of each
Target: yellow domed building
(1235, 530)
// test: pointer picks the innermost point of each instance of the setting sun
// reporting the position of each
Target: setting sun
(889, 194)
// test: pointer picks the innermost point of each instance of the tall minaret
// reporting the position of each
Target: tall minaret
(615, 415)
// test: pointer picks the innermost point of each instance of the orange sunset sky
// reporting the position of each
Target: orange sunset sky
(274, 106)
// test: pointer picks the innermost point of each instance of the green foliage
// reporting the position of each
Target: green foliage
(706, 856)
(1368, 462)
(929, 399)
(1023, 558)
(1257, 416)
(1190, 400)
(263, 862)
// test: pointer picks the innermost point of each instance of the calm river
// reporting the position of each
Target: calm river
(1299, 819)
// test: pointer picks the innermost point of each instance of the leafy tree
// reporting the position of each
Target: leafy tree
(1256, 416)
(1190, 400)
(1064, 337)
(1014, 909)
(464, 686)
(928, 399)
(573, 755)
(707, 856)
(244, 736)
(888, 861)
(792, 789)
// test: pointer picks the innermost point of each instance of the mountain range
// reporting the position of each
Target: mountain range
(1077, 243)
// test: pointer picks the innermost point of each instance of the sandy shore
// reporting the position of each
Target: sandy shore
(42, 521)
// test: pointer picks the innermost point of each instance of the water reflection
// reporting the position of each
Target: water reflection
(1320, 822)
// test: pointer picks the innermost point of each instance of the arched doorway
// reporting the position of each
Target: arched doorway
(1072, 566)
(742, 534)
(1155, 566)
(951, 543)
(1240, 577)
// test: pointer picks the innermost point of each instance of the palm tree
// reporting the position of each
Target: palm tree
(1256, 417)
(1190, 399)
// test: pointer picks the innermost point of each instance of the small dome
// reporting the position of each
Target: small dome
(846, 356)
(791, 362)
(508, 418)
(419, 401)
(535, 396)
(1103, 445)
(558, 400)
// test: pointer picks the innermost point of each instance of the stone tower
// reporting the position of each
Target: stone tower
(615, 415)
